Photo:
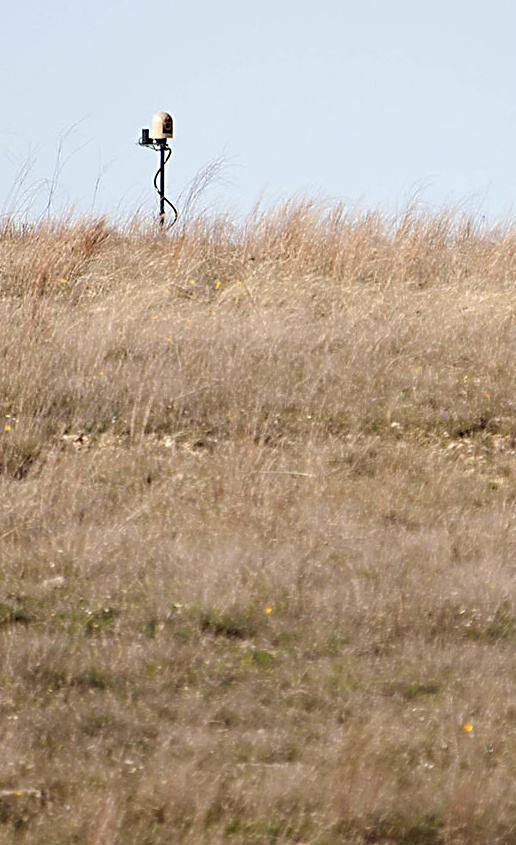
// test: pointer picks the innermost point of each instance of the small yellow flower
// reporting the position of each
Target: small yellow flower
(101, 372)
(468, 727)
(7, 428)
(217, 285)
(168, 339)
(268, 610)
(63, 281)
(192, 282)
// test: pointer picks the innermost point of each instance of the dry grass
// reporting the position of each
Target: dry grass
(258, 531)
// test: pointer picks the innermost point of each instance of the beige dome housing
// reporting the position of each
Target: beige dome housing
(162, 126)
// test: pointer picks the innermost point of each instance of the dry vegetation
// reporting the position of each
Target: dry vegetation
(258, 531)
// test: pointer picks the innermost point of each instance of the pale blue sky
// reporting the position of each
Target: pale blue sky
(367, 101)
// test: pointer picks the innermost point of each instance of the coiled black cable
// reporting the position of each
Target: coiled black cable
(171, 204)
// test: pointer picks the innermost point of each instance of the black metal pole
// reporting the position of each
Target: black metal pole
(162, 185)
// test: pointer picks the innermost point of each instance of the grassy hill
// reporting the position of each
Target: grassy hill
(258, 531)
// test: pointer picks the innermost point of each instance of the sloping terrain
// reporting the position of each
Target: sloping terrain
(258, 531)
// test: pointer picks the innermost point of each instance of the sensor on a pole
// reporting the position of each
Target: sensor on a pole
(162, 129)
